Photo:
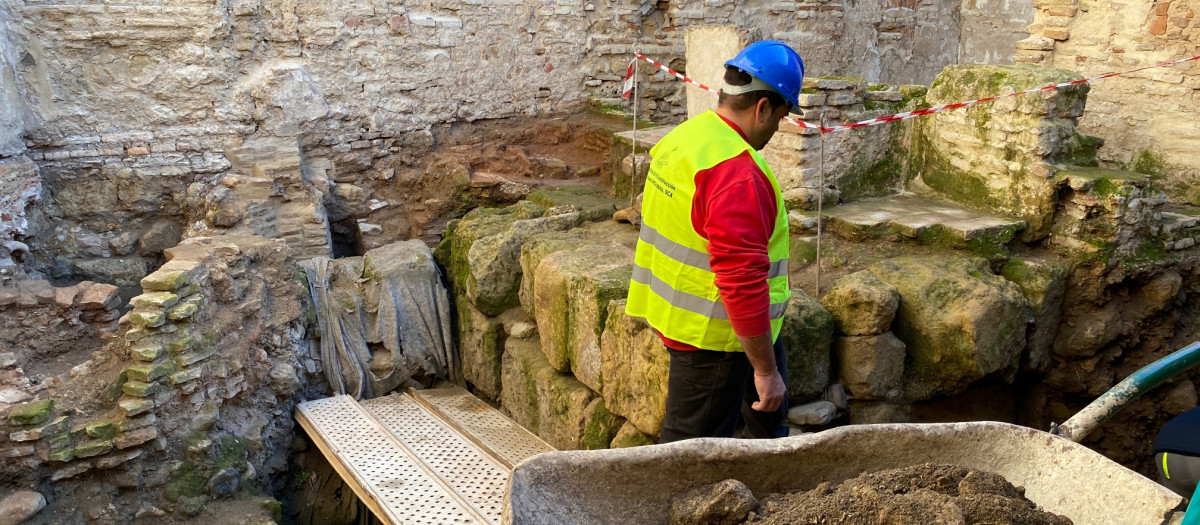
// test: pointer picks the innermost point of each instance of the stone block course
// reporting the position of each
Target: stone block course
(31, 413)
(871, 367)
(861, 304)
(634, 363)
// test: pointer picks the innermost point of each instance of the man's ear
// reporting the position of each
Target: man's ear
(763, 110)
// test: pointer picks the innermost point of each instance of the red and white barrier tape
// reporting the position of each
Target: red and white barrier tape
(920, 112)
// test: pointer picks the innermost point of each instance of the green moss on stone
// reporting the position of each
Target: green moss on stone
(148, 372)
(803, 251)
(31, 413)
(165, 280)
(183, 311)
(93, 448)
(182, 345)
(101, 430)
(154, 300)
(141, 388)
(1150, 162)
(601, 427)
(595, 204)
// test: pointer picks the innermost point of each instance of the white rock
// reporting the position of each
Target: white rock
(815, 413)
(20, 506)
(12, 395)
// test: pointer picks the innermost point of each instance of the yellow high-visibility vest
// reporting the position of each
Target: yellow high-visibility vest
(673, 286)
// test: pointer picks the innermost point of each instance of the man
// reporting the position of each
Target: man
(710, 273)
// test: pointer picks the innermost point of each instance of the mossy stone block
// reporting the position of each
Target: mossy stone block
(101, 430)
(141, 388)
(187, 375)
(148, 319)
(146, 353)
(31, 413)
(165, 280)
(148, 372)
(133, 406)
(155, 300)
(182, 345)
(183, 311)
(54, 427)
(192, 358)
(61, 455)
(807, 335)
(600, 426)
(630, 436)
(94, 448)
(593, 201)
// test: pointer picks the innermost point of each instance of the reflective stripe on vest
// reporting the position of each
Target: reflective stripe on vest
(673, 286)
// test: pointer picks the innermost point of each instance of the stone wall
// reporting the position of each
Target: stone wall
(41, 323)
(540, 289)
(857, 163)
(192, 402)
(989, 27)
(12, 104)
(1146, 119)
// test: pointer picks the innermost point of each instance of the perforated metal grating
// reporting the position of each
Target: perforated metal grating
(485, 424)
(474, 475)
(408, 493)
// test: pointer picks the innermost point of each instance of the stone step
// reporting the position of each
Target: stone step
(646, 138)
(1180, 231)
(913, 217)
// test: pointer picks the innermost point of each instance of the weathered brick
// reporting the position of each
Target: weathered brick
(195, 357)
(113, 460)
(187, 375)
(71, 471)
(137, 437)
(137, 422)
(134, 405)
(98, 296)
(56, 426)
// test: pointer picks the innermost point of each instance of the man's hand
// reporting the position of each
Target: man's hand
(771, 391)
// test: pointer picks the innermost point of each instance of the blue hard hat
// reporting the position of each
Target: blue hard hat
(776, 64)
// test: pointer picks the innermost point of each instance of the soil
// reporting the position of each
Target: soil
(921, 494)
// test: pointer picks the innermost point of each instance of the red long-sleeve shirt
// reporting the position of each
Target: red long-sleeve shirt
(734, 209)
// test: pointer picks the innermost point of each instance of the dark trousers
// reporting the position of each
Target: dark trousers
(709, 394)
(1180, 472)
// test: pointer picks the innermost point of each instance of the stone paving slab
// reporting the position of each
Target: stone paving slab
(913, 216)
(646, 138)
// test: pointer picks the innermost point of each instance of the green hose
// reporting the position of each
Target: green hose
(1111, 402)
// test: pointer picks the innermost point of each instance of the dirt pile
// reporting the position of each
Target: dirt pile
(921, 494)
(917, 495)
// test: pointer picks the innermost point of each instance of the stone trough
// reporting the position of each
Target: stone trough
(636, 485)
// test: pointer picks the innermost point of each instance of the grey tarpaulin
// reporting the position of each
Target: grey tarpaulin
(384, 319)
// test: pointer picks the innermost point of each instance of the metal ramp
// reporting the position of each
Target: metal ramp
(437, 456)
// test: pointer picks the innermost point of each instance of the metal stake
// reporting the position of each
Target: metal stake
(820, 202)
(634, 155)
